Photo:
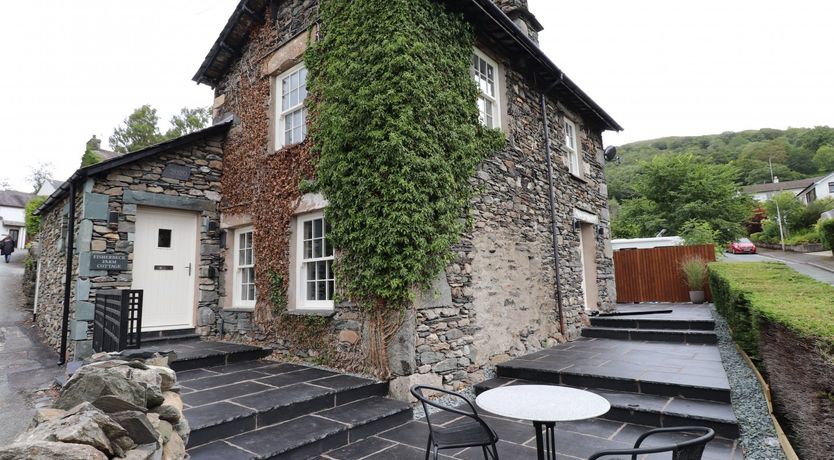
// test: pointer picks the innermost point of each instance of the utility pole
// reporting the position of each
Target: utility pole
(775, 180)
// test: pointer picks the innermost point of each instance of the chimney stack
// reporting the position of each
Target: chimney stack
(519, 12)
(94, 143)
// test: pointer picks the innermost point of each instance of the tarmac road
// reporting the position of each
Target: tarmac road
(26, 364)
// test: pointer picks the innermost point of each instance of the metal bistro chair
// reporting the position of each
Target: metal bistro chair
(691, 449)
(472, 432)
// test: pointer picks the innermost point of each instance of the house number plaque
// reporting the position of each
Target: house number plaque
(105, 261)
(175, 171)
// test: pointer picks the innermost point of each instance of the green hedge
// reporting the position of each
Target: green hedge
(745, 293)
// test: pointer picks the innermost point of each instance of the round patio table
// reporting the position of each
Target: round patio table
(544, 405)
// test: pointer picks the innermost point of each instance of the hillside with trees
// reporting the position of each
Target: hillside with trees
(796, 153)
(690, 185)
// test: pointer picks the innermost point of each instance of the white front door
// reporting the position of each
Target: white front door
(164, 267)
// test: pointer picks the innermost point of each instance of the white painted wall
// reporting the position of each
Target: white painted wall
(16, 215)
(822, 188)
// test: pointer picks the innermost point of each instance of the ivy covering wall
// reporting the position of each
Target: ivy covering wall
(395, 123)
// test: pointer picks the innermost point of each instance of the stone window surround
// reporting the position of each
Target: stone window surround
(501, 85)
(231, 223)
(287, 56)
(276, 100)
(236, 272)
(308, 204)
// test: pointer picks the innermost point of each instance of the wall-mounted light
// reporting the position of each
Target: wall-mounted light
(601, 230)
(577, 224)
(113, 220)
(223, 239)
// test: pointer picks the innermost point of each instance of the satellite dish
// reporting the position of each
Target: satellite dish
(610, 153)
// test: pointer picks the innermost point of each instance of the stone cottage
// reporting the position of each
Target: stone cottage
(506, 293)
(144, 220)
(536, 260)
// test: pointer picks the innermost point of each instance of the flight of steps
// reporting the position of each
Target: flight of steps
(654, 370)
(268, 410)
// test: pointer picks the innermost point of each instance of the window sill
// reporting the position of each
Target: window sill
(302, 312)
(578, 177)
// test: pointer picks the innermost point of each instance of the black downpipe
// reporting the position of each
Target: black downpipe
(68, 275)
(552, 197)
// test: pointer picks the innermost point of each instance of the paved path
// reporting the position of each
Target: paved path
(26, 365)
(819, 266)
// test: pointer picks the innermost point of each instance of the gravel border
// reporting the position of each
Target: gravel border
(758, 435)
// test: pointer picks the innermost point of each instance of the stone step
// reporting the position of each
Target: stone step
(653, 335)
(168, 339)
(157, 335)
(636, 322)
(196, 353)
(228, 400)
(310, 435)
(652, 410)
(654, 375)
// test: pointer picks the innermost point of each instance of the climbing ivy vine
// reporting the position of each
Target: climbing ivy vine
(395, 124)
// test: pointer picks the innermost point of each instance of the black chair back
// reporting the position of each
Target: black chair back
(691, 449)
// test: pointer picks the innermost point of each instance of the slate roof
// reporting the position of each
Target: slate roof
(15, 199)
(489, 20)
(787, 185)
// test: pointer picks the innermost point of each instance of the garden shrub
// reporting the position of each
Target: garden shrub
(825, 228)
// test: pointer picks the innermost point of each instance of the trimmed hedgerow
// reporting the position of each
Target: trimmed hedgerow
(394, 119)
(747, 293)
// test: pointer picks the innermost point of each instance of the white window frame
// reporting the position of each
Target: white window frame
(572, 147)
(496, 86)
(301, 268)
(281, 114)
(237, 276)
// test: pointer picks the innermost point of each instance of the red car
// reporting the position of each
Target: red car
(742, 246)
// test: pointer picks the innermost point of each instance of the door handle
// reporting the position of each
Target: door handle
(189, 268)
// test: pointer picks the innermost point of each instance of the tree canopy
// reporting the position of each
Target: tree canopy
(794, 153)
(141, 128)
(670, 191)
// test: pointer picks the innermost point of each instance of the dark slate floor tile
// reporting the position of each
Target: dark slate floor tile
(343, 382)
(218, 450)
(184, 376)
(363, 411)
(241, 366)
(361, 449)
(280, 397)
(198, 398)
(281, 368)
(707, 409)
(213, 414)
(513, 431)
(305, 375)
(284, 437)
(404, 452)
(595, 427)
(223, 379)
(414, 434)
(580, 445)
(505, 450)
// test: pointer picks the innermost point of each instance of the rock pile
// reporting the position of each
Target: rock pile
(117, 406)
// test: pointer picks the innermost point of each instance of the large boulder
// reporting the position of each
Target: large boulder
(92, 382)
(84, 424)
(46, 450)
(138, 427)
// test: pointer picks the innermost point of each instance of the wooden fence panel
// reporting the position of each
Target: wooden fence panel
(654, 275)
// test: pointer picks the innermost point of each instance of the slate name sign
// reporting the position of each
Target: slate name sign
(104, 261)
(175, 171)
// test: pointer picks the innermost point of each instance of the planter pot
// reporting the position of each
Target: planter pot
(696, 296)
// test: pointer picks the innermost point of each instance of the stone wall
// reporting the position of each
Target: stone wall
(502, 283)
(498, 298)
(120, 191)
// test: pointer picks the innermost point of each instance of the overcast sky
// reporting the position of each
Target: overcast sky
(76, 68)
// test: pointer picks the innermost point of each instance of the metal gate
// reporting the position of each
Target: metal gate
(117, 323)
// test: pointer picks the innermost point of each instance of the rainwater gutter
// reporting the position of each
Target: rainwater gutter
(552, 198)
(68, 273)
